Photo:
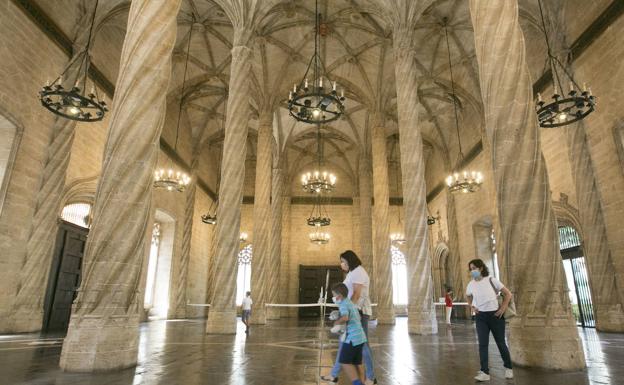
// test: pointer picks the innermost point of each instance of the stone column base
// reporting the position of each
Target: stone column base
(258, 315)
(385, 316)
(422, 322)
(556, 346)
(609, 319)
(96, 344)
(273, 313)
(221, 322)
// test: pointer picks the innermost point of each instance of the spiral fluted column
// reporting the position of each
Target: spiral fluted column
(261, 265)
(185, 252)
(420, 310)
(458, 270)
(365, 221)
(285, 278)
(607, 295)
(103, 329)
(276, 243)
(222, 315)
(382, 262)
(544, 335)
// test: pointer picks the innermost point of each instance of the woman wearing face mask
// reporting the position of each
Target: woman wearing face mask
(482, 293)
(357, 282)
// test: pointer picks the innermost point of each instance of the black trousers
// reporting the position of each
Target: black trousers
(487, 322)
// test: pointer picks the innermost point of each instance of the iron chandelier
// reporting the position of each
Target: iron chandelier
(172, 179)
(464, 181)
(74, 103)
(563, 109)
(317, 101)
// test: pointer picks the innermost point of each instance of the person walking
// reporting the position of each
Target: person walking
(246, 308)
(358, 284)
(482, 293)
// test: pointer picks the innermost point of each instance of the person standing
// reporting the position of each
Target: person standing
(482, 293)
(448, 301)
(358, 283)
(246, 307)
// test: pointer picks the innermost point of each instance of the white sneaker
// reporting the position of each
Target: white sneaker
(508, 373)
(369, 382)
(482, 377)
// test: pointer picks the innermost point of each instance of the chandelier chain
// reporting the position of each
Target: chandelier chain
(188, 53)
(454, 96)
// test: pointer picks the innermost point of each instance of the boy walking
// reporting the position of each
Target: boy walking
(246, 306)
(351, 349)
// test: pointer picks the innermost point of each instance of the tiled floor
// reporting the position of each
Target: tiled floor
(287, 352)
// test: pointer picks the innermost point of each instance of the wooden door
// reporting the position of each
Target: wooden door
(64, 279)
(311, 279)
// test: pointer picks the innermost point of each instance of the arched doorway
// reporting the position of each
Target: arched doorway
(577, 276)
(243, 278)
(158, 280)
(66, 266)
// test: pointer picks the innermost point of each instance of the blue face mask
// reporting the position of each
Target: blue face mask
(336, 300)
(475, 273)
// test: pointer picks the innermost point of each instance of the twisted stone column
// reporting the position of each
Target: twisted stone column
(185, 255)
(103, 330)
(458, 270)
(222, 315)
(545, 333)
(276, 242)
(420, 310)
(211, 265)
(381, 259)
(607, 294)
(355, 225)
(365, 219)
(261, 265)
(285, 279)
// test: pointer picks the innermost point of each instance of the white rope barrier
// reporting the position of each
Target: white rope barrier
(198, 304)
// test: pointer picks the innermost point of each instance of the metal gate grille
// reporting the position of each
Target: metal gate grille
(576, 276)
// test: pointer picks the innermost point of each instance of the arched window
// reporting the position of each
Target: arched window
(243, 279)
(10, 137)
(399, 276)
(78, 214)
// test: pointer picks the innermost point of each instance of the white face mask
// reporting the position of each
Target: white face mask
(336, 300)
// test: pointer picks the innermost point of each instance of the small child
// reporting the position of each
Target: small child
(246, 306)
(353, 342)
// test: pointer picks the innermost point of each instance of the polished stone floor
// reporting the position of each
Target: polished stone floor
(287, 352)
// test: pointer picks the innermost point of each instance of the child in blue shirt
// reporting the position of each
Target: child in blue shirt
(351, 351)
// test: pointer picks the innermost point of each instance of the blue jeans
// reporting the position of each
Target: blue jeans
(367, 355)
(487, 322)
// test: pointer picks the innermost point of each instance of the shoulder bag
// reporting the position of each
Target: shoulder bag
(511, 308)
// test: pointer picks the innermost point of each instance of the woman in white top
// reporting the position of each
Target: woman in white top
(482, 293)
(358, 283)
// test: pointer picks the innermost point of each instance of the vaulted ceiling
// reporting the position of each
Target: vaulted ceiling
(357, 53)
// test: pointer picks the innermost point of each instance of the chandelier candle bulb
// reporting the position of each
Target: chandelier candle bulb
(334, 87)
(306, 84)
(321, 82)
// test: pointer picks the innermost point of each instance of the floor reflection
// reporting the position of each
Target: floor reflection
(287, 352)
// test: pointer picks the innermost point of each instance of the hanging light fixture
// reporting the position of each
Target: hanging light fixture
(459, 181)
(318, 217)
(74, 103)
(318, 181)
(175, 180)
(397, 238)
(563, 109)
(319, 237)
(313, 102)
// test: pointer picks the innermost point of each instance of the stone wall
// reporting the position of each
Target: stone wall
(28, 60)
